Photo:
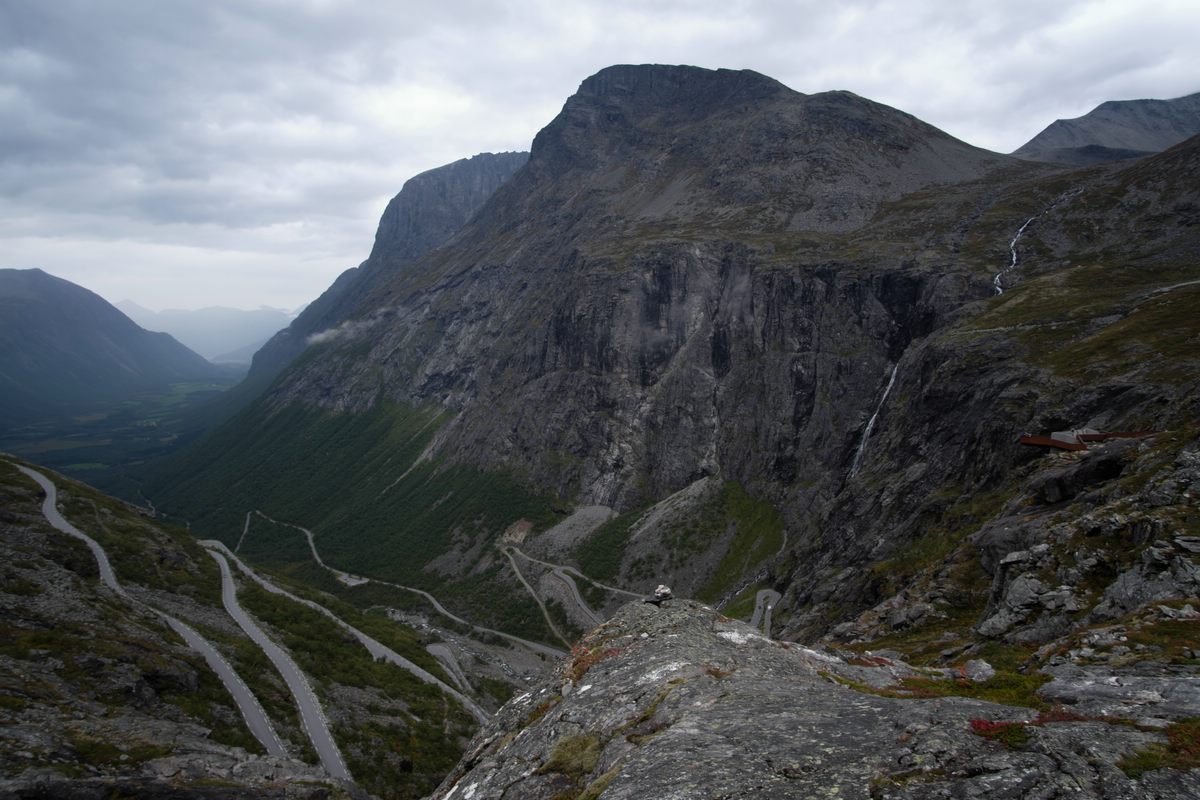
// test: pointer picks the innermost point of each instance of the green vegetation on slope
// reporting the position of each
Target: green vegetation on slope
(399, 735)
(599, 555)
(757, 534)
(747, 532)
(351, 479)
(1107, 319)
(152, 554)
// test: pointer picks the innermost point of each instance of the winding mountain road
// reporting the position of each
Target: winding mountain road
(536, 598)
(568, 568)
(344, 577)
(449, 661)
(562, 572)
(536, 647)
(764, 604)
(376, 648)
(252, 711)
(311, 715)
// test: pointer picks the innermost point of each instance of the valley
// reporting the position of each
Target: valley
(411, 554)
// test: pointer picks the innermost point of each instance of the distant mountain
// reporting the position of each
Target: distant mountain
(429, 209)
(1116, 130)
(218, 333)
(242, 356)
(65, 349)
(724, 310)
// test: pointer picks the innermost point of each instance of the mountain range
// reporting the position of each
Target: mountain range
(65, 350)
(1116, 130)
(221, 335)
(642, 311)
(799, 357)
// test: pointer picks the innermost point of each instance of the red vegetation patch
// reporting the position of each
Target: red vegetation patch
(1010, 734)
(1016, 734)
(713, 671)
(869, 661)
(583, 659)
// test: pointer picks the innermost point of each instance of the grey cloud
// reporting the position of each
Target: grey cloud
(255, 126)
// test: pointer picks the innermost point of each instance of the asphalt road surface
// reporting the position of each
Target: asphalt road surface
(256, 718)
(375, 648)
(311, 714)
(764, 604)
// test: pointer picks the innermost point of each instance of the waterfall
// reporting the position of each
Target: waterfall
(1012, 248)
(862, 444)
(997, 281)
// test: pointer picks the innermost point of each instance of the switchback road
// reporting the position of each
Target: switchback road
(764, 604)
(256, 718)
(376, 648)
(311, 714)
(354, 580)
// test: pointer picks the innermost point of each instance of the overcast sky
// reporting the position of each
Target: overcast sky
(239, 152)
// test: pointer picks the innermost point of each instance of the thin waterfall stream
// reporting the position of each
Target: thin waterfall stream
(998, 281)
(1012, 264)
(862, 444)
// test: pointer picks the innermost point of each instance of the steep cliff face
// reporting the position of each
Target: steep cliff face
(1097, 336)
(426, 212)
(705, 287)
(637, 308)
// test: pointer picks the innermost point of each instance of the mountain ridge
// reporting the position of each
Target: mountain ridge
(1116, 130)
(684, 374)
(64, 349)
(212, 331)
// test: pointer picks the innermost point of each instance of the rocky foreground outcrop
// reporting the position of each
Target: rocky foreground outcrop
(679, 702)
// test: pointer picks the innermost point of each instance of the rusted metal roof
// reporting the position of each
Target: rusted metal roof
(1078, 440)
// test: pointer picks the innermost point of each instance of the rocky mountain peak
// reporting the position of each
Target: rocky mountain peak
(658, 87)
(434, 204)
(1116, 130)
(652, 143)
(679, 701)
(427, 211)
(622, 105)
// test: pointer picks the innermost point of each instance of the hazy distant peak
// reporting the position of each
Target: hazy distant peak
(63, 348)
(213, 331)
(1116, 129)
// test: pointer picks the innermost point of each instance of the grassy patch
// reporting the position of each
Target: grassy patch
(583, 659)
(573, 756)
(541, 710)
(757, 535)
(600, 555)
(1006, 688)
(1182, 750)
(596, 788)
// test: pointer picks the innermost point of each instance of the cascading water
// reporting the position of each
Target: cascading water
(862, 444)
(998, 281)
(1012, 248)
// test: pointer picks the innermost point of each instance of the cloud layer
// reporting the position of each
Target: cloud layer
(239, 152)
